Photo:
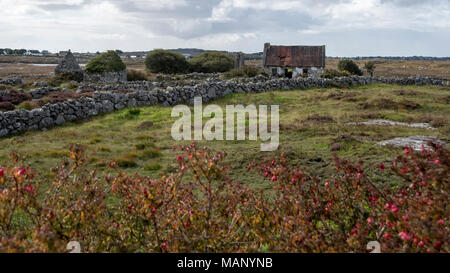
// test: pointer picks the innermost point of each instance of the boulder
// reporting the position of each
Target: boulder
(415, 142)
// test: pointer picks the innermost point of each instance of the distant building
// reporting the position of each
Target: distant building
(33, 53)
(187, 55)
(299, 60)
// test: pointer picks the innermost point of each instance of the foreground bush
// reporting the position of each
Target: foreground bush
(108, 61)
(211, 62)
(350, 66)
(166, 61)
(197, 208)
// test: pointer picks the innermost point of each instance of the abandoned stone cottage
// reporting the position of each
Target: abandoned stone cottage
(302, 60)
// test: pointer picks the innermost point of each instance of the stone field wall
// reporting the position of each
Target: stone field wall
(147, 93)
(106, 77)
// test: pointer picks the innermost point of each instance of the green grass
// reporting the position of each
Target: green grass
(305, 141)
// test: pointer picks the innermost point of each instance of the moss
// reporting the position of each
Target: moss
(153, 167)
(124, 162)
(150, 153)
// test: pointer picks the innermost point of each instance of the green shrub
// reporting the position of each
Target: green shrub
(136, 75)
(106, 62)
(211, 62)
(125, 162)
(370, 68)
(333, 73)
(69, 85)
(165, 61)
(350, 66)
(61, 78)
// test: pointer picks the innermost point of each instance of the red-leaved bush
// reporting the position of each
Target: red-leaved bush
(198, 209)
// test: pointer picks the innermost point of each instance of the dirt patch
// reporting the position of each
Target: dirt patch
(319, 118)
(305, 124)
(433, 121)
(345, 96)
(445, 99)
(406, 92)
(385, 103)
(370, 115)
(145, 125)
(344, 139)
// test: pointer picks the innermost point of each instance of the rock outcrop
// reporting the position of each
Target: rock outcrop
(11, 81)
(415, 142)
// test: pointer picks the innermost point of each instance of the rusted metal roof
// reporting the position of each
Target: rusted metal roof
(294, 56)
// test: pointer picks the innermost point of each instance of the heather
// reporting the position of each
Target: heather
(197, 207)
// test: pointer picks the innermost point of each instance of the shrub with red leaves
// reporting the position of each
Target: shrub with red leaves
(196, 208)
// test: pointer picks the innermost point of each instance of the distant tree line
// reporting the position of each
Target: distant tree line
(10, 51)
(22, 51)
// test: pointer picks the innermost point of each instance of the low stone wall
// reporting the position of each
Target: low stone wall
(106, 77)
(43, 91)
(11, 81)
(103, 102)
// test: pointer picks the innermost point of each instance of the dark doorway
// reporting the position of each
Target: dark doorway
(288, 73)
(305, 72)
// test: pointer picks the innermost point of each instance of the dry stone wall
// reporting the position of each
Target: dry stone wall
(106, 77)
(147, 94)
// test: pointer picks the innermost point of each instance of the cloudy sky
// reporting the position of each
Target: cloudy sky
(346, 27)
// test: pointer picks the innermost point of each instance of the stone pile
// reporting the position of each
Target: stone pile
(43, 91)
(70, 66)
(11, 81)
(106, 77)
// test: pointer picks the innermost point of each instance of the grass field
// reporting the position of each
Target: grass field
(312, 124)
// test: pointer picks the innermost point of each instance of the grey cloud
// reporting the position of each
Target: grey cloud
(58, 7)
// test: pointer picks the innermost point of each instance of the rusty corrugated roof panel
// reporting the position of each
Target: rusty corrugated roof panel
(295, 56)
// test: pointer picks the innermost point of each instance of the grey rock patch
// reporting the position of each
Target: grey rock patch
(383, 122)
(414, 142)
(60, 120)
(11, 81)
(4, 132)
